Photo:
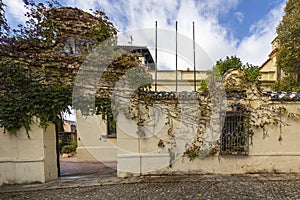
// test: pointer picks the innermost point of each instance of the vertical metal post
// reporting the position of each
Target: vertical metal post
(155, 56)
(194, 52)
(176, 60)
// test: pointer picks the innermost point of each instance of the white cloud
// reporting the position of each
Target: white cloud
(213, 8)
(239, 16)
(216, 40)
(15, 11)
(85, 5)
(212, 37)
(255, 48)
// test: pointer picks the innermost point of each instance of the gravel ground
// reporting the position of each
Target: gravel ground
(168, 187)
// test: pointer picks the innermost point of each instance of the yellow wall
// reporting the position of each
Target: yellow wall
(92, 141)
(166, 80)
(141, 155)
(105, 149)
(24, 160)
(269, 71)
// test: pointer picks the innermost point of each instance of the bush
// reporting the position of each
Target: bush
(74, 143)
(68, 149)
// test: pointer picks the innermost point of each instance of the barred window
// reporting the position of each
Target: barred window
(234, 136)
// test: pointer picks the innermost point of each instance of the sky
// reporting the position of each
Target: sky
(244, 28)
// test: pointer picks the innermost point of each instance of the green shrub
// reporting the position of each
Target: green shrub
(68, 149)
(74, 143)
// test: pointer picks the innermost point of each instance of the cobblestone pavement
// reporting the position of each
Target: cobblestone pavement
(251, 186)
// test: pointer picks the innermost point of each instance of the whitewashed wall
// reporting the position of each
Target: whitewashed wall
(93, 145)
(140, 156)
(24, 160)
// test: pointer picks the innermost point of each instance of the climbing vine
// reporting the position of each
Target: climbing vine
(39, 62)
(191, 117)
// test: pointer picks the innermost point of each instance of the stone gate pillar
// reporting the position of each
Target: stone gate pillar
(27, 160)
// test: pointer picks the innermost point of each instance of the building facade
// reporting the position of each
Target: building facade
(270, 73)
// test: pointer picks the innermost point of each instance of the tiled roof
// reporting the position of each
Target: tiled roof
(160, 95)
(283, 95)
(143, 50)
(131, 48)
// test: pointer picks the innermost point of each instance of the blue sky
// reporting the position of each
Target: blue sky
(244, 28)
(247, 13)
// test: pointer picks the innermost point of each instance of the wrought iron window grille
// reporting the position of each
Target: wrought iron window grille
(234, 136)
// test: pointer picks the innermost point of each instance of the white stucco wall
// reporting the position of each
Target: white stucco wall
(24, 160)
(92, 141)
(140, 156)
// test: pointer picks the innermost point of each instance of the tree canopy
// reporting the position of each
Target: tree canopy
(233, 62)
(222, 66)
(288, 57)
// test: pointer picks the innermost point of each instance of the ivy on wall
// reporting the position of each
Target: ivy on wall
(195, 111)
(39, 62)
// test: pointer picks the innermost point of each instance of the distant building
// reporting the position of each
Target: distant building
(166, 79)
(269, 70)
(142, 52)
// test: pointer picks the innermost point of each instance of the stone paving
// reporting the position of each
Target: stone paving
(250, 186)
(95, 180)
(72, 167)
